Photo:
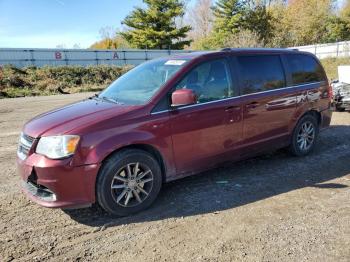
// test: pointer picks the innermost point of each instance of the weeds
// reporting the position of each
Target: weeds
(33, 81)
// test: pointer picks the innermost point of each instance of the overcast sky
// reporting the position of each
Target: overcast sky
(50, 23)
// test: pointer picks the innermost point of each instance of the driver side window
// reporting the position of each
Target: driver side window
(210, 81)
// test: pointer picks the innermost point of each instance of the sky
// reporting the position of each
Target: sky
(52, 23)
(63, 23)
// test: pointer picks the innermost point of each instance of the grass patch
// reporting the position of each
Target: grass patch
(331, 65)
(35, 81)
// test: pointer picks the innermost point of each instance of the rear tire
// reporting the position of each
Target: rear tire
(128, 182)
(304, 136)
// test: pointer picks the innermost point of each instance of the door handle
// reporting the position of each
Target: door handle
(252, 105)
(231, 108)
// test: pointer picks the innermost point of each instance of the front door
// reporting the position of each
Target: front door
(207, 133)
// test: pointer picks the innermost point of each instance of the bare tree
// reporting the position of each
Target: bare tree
(200, 17)
(266, 3)
(107, 32)
(244, 38)
(61, 46)
(76, 46)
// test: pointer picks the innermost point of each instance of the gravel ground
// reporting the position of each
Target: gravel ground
(271, 208)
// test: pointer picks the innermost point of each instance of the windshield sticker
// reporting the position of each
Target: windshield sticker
(175, 62)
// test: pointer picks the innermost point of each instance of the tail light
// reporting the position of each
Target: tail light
(330, 91)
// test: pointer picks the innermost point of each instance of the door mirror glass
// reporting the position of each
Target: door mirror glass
(183, 97)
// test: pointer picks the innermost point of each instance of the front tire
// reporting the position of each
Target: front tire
(128, 182)
(304, 136)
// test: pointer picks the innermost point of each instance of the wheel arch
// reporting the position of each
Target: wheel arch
(144, 147)
(315, 113)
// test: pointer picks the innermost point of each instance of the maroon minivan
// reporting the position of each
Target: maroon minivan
(169, 118)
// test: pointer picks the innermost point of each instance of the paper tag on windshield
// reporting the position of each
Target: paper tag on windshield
(175, 62)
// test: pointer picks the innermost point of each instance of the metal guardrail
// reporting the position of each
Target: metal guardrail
(338, 49)
(56, 57)
(22, 57)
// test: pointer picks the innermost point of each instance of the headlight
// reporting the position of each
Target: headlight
(56, 147)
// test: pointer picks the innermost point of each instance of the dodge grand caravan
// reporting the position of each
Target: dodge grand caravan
(169, 118)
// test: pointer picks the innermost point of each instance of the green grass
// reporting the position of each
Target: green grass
(331, 66)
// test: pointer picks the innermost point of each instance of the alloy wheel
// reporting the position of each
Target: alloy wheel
(132, 184)
(306, 136)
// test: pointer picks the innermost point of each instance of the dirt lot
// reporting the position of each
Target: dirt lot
(271, 208)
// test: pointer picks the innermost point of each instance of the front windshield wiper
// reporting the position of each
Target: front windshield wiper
(105, 98)
(109, 99)
(94, 96)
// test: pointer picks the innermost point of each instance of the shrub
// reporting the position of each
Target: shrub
(52, 80)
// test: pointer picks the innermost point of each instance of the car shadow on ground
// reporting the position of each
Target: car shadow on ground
(241, 183)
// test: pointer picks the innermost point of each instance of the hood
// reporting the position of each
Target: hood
(75, 116)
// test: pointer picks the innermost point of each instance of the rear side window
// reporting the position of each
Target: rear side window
(305, 69)
(261, 73)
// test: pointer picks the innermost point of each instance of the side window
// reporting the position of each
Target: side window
(305, 69)
(261, 73)
(210, 81)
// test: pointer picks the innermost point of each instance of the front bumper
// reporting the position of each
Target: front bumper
(56, 183)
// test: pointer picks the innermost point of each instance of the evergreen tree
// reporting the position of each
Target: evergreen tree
(155, 27)
(229, 17)
(260, 21)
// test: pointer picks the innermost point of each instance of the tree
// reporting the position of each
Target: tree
(276, 23)
(337, 29)
(244, 38)
(154, 27)
(259, 20)
(116, 42)
(110, 39)
(229, 18)
(307, 20)
(200, 17)
(281, 26)
(345, 11)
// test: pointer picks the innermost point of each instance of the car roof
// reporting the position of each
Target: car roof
(196, 54)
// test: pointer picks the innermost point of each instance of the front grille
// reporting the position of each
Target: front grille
(25, 144)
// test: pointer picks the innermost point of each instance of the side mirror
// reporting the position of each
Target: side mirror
(183, 97)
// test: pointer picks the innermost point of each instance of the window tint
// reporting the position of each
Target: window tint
(261, 73)
(305, 69)
(210, 81)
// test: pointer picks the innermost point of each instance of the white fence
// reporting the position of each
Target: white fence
(55, 57)
(39, 57)
(339, 49)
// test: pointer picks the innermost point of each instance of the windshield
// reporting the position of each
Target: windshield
(138, 85)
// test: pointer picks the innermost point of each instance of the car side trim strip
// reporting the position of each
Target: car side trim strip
(237, 97)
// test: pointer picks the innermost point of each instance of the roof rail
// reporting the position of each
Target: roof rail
(258, 48)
